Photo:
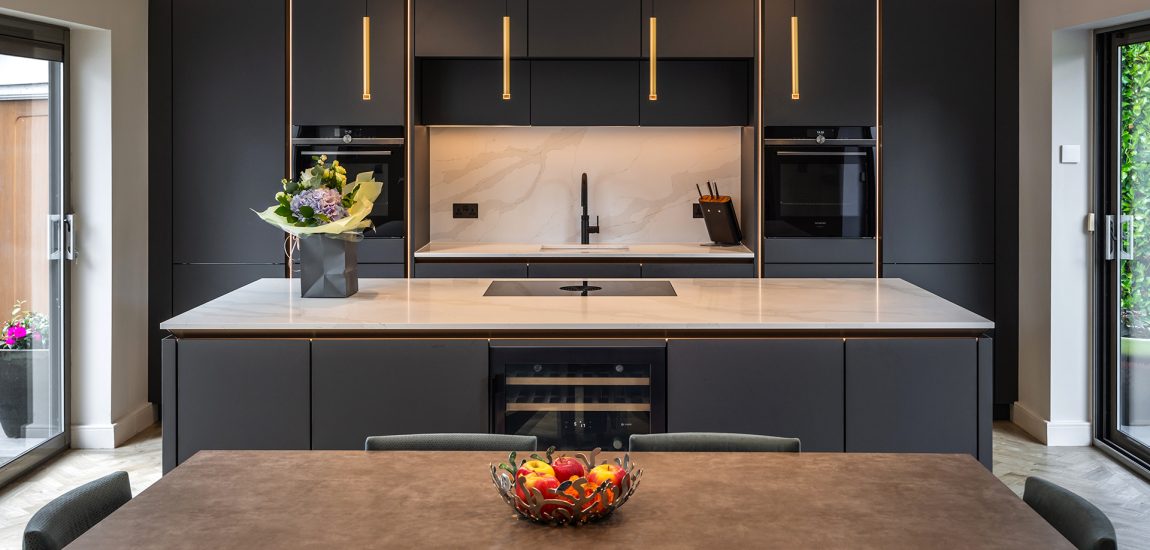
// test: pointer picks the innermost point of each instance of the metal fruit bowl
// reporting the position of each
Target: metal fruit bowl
(574, 502)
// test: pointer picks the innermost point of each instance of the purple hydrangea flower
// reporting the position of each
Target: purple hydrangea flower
(322, 200)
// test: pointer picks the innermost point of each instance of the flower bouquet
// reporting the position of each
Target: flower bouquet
(327, 215)
(23, 345)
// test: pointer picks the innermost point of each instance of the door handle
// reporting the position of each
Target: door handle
(1126, 247)
(53, 237)
(70, 252)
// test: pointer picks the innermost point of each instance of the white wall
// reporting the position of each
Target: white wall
(641, 181)
(1055, 102)
(109, 154)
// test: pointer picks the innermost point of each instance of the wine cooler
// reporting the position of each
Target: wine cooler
(579, 395)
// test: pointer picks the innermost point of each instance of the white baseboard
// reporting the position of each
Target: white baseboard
(110, 436)
(1052, 434)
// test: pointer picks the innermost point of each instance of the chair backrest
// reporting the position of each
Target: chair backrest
(451, 442)
(1082, 523)
(713, 442)
(71, 514)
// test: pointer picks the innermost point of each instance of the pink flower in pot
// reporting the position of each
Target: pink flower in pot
(17, 332)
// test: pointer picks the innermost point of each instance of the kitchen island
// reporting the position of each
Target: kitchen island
(856, 365)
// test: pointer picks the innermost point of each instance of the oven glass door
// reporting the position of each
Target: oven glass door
(385, 162)
(820, 192)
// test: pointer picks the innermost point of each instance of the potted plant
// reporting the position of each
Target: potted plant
(23, 344)
(326, 216)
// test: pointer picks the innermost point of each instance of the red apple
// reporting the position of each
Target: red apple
(537, 467)
(545, 484)
(565, 467)
(607, 472)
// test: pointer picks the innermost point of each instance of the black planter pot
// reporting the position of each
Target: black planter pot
(16, 389)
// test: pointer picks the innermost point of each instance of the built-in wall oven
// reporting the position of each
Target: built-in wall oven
(579, 395)
(360, 149)
(819, 182)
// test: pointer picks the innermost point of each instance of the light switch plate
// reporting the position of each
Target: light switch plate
(1070, 154)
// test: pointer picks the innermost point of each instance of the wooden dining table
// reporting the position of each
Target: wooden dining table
(387, 499)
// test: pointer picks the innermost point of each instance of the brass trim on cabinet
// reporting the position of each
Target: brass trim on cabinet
(653, 94)
(506, 57)
(794, 57)
(575, 381)
(578, 407)
(366, 58)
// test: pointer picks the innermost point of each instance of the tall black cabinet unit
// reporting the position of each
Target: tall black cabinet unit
(217, 149)
(948, 123)
(837, 53)
(327, 73)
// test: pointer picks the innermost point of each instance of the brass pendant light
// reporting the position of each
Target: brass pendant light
(506, 53)
(366, 53)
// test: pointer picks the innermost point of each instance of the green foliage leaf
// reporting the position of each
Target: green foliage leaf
(306, 211)
(284, 211)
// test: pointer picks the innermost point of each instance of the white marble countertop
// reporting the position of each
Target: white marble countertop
(692, 251)
(409, 306)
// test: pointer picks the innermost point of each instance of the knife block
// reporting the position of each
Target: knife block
(719, 216)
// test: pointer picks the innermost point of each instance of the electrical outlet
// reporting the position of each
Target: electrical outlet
(696, 210)
(464, 210)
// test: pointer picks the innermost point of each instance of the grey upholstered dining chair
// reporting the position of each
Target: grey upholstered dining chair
(71, 514)
(1082, 523)
(713, 442)
(451, 442)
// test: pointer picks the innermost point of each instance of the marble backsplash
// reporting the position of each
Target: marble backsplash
(526, 181)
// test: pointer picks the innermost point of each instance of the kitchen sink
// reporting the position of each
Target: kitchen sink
(581, 247)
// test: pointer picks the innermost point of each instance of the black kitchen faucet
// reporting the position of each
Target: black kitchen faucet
(585, 227)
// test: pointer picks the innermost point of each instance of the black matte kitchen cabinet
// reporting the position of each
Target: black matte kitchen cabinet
(938, 131)
(698, 270)
(586, 270)
(968, 285)
(712, 29)
(584, 29)
(228, 110)
(786, 388)
(466, 270)
(697, 93)
(470, 91)
(361, 388)
(584, 93)
(197, 284)
(241, 395)
(469, 28)
(327, 67)
(818, 271)
(912, 395)
(837, 51)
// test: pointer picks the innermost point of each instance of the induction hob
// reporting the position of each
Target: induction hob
(580, 288)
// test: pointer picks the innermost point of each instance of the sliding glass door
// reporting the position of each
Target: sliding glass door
(33, 245)
(1123, 386)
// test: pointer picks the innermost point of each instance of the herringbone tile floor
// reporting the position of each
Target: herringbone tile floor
(1124, 497)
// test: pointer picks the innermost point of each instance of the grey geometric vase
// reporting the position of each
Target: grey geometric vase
(328, 267)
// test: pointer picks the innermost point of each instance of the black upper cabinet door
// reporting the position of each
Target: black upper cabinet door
(470, 91)
(836, 61)
(469, 28)
(584, 93)
(700, 28)
(228, 105)
(584, 29)
(327, 67)
(697, 93)
(938, 131)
